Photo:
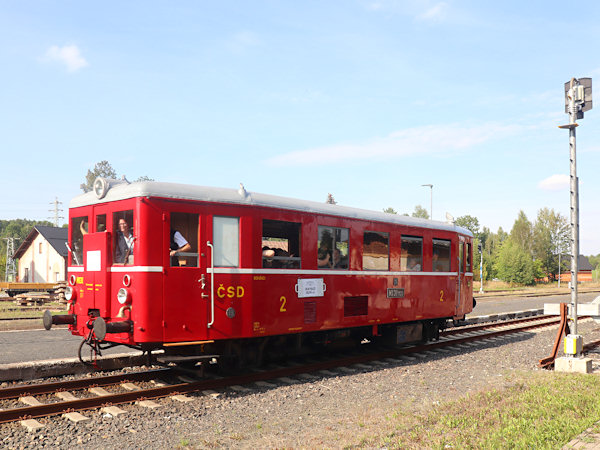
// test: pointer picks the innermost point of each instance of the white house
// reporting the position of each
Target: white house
(43, 255)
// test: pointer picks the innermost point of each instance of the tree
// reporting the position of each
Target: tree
(470, 223)
(390, 210)
(492, 246)
(143, 178)
(522, 233)
(330, 199)
(420, 212)
(101, 169)
(550, 237)
(514, 265)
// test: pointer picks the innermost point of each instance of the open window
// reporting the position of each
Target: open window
(123, 237)
(468, 258)
(376, 251)
(411, 255)
(281, 244)
(333, 248)
(441, 255)
(79, 227)
(183, 245)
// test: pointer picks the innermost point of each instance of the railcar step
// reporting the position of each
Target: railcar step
(165, 359)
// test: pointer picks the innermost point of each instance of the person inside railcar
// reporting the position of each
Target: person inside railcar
(177, 245)
(339, 261)
(125, 243)
(324, 257)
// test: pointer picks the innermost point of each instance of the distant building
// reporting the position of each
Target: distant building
(43, 255)
(584, 272)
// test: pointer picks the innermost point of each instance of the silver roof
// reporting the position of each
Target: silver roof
(120, 190)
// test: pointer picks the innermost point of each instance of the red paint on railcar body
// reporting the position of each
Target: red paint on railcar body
(225, 287)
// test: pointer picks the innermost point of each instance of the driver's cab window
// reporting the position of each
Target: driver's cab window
(79, 227)
(183, 240)
(124, 237)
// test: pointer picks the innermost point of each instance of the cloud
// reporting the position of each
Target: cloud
(436, 13)
(555, 183)
(69, 55)
(444, 139)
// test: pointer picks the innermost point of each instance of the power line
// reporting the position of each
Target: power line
(56, 211)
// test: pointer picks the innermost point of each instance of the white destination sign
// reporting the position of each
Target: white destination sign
(310, 287)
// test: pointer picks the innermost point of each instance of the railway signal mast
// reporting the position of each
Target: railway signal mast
(578, 99)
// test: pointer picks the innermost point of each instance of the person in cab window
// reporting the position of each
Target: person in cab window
(178, 245)
(125, 241)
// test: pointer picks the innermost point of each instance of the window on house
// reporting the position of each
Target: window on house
(376, 251)
(183, 245)
(333, 248)
(281, 244)
(441, 255)
(40, 248)
(411, 254)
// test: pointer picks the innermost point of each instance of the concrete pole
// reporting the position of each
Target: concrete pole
(574, 193)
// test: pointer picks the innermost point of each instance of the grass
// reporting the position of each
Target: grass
(501, 286)
(541, 410)
(9, 310)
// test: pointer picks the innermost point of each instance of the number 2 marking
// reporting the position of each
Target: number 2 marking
(283, 301)
(441, 296)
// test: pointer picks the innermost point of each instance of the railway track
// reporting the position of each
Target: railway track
(458, 337)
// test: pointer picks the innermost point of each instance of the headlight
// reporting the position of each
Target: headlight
(69, 293)
(123, 296)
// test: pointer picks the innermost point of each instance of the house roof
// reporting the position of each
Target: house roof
(56, 237)
(584, 264)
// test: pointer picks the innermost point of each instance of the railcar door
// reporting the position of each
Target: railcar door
(464, 276)
(184, 306)
(461, 274)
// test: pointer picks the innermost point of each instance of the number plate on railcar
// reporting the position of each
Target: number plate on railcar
(395, 293)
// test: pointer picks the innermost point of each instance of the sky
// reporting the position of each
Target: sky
(365, 99)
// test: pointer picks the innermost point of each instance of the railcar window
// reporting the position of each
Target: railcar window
(411, 255)
(226, 241)
(468, 259)
(376, 251)
(333, 248)
(100, 223)
(124, 237)
(79, 227)
(441, 255)
(460, 257)
(183, 244)
(281, 244)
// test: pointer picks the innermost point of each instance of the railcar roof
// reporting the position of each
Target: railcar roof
(119, 190)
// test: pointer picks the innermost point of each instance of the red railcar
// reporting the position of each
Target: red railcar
(258, 271)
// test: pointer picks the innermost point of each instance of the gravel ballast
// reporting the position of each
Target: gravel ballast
(320, 411)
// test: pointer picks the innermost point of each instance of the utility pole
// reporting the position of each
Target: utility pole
(578, 99)
(56, 210)
(10, 274)
(480, 248)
